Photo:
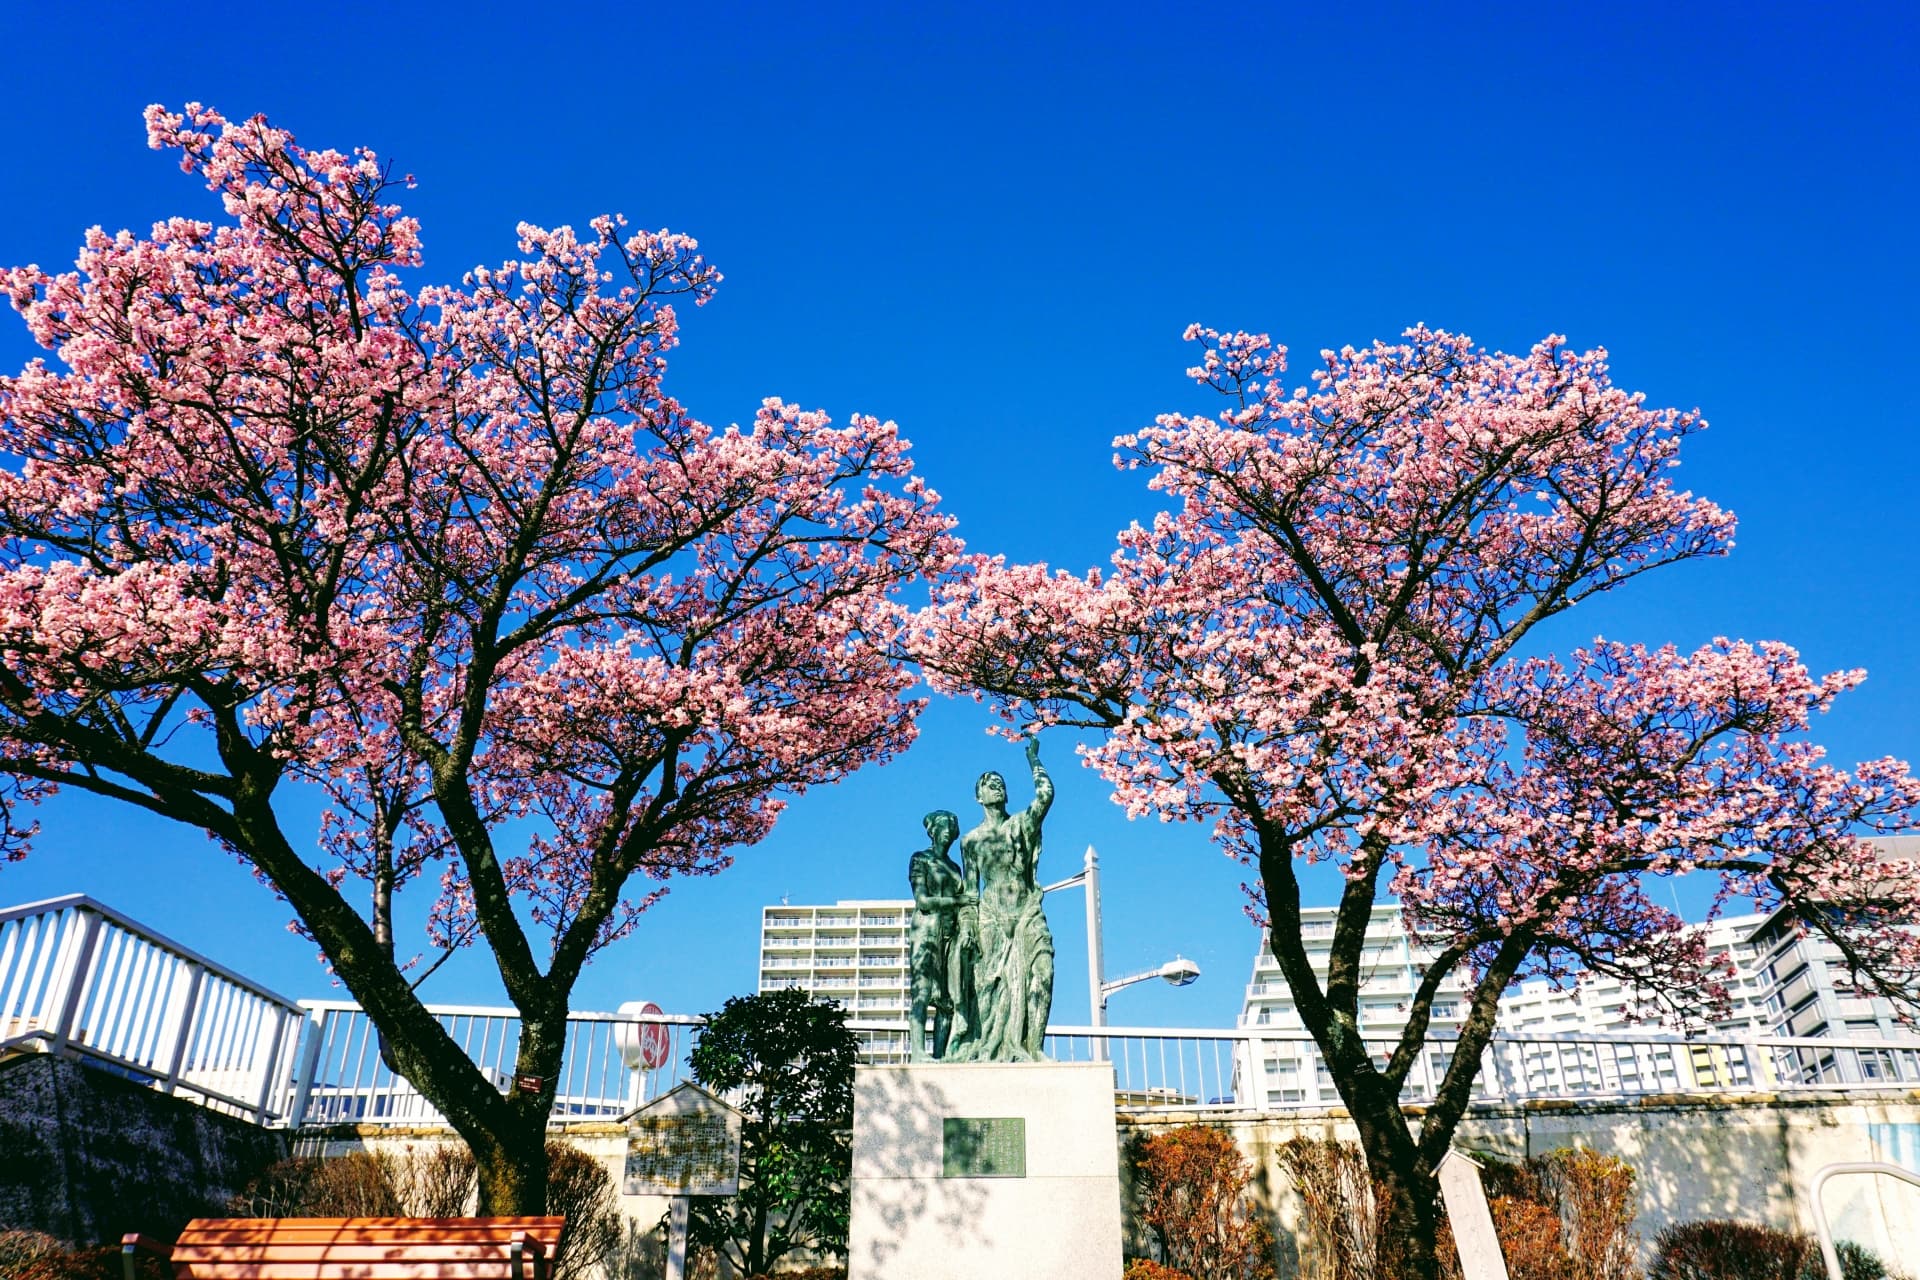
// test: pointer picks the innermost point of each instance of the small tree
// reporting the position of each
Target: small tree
(1193, 1194)
(1317, 652)
(787, 1060)
(279, 516)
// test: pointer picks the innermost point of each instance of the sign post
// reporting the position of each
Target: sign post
(684, 1143)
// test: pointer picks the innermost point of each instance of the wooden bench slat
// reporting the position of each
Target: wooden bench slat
(544, 1229)
(339, 1251)
(528, 1220)
(494, 1270)
(360, 1248)
(221, 1239)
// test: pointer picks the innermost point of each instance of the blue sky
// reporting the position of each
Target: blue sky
(991, 223)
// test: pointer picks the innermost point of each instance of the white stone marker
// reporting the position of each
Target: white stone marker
(984, 1171)
(1466, 1199)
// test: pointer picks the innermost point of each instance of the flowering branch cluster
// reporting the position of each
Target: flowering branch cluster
(1316, 650)
(452, 554)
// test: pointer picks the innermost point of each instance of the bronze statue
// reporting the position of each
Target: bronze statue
(1014, 974)
(941, 941)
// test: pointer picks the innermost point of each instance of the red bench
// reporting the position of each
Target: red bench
(354, 1249)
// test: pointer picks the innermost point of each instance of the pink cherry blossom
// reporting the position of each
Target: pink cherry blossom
(1317, 651)
(274, 512)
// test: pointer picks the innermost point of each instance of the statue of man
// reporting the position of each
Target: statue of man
(940, 942)
(1014, 974)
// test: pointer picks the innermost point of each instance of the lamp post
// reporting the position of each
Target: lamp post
(1178, 971)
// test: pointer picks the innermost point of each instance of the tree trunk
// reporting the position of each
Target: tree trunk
(1407, 1206)
(511, 1171)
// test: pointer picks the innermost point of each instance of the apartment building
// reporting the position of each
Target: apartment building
(1289, 1069)
(1783, 982)
(853, 953)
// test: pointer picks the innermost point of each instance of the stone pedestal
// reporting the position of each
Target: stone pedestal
(984, 1171)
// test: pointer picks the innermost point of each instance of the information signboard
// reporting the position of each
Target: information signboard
(684, 1143)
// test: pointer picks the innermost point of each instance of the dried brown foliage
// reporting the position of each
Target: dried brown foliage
(1193, 1183)
(1530, 1239)
(1148, 1269)
(580, 1187)
(1337, 1207)
(360, 1184)
(1589, 1194)
(1723, 1250)
(435, 1181)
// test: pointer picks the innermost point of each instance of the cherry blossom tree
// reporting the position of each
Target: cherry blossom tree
(1318, 651)
(276, 516)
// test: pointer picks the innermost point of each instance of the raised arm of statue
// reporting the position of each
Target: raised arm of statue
(1042, 789)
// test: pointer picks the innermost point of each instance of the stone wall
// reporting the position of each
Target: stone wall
(88, 1156)
(1696, 1157)
(1752, 1157)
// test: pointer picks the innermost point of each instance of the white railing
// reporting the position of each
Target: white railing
(1254, 1069)
(350, 1084)
(81, 979)
(346, 1080)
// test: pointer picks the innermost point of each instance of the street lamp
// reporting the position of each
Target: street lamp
(1178, 971)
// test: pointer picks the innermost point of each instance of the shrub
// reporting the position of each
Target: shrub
(1857, 1262)
(1336, 1203)
(581, 1188)
(1723, 1250)
(1531, 1239)
(1589, 1199)
(435, 1182)
(1193, 1183)
(35, 1255)
(361, 1184)
(1148, 1269)
(1593, 1196)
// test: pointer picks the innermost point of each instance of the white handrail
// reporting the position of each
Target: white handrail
(1823, 1230)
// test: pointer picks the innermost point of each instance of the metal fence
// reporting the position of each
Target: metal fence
(1267, 1071)
(611, 1064)
(79, 978)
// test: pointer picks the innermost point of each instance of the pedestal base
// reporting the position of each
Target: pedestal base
(984, 1171)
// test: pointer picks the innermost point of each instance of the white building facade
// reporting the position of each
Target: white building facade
(854, 954)
(1783, 982)
(1287, 1067)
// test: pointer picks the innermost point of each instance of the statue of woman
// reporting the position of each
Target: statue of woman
(941, 940)
(1014, 974)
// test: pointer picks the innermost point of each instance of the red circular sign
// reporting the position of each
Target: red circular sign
(647, 1044)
